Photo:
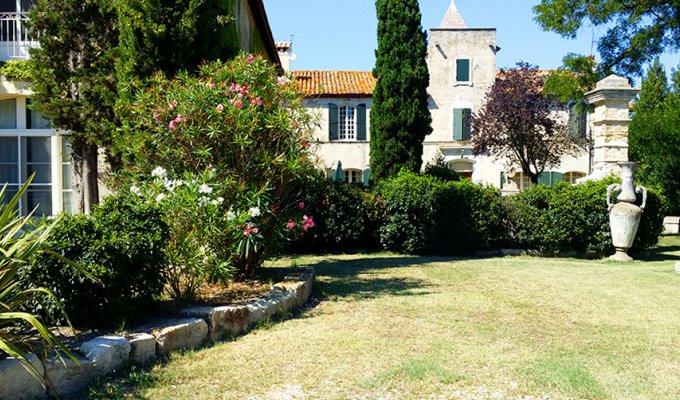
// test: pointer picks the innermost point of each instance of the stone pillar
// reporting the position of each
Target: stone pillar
(610, 121)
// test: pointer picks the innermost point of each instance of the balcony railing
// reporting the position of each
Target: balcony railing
(15, 38)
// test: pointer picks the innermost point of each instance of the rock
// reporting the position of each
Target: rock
(65, 378)
(222, 321)
(142, 348)
(180, 334)
(17, 383)
(107, 353)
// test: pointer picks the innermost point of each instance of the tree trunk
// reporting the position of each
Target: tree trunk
(85, 174)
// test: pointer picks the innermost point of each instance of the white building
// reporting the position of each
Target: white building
(462, 66)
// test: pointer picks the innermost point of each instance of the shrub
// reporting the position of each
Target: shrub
(439, 168)
(426, 215)
(121, 245)
(346, 217)
(566, 218)
(239, 120)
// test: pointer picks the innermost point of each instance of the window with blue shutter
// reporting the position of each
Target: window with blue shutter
(333, 122)
(462, 123)
(463, 70)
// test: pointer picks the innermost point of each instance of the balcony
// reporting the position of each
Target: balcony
(15, 39)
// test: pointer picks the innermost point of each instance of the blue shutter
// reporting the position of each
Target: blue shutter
(361, 122)
(467, 123)
(557, 178)
(457, 124)
(333, 121)
(544, 178)
(463, 70)
(367, 176)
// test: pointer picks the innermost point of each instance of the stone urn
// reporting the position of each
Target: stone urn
(624, 216)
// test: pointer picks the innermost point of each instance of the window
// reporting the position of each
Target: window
(523, 181)
(571, 177)
(20, 157)
(353, 176)
(347, 123)
(462, 123)
(35, 119)
(8, 114)
(463, 167)
(463, 70)
(66, 171)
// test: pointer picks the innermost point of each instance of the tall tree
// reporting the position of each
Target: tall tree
(637, 30)
(74, 82)
(577, 75)
(654, 140)
(400, 118)
(518, 123)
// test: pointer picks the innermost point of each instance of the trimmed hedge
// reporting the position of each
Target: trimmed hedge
(346, 217)
(121, 244)
(424, 215)
(565, 218)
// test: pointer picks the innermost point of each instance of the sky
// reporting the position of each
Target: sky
(341, 35)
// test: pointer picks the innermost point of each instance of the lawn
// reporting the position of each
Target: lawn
(394, 327)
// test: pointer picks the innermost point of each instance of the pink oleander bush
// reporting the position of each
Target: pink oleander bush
(237, 138)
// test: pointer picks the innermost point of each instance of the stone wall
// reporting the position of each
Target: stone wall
(193, 328)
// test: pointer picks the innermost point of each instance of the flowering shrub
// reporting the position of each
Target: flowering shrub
(241, 131)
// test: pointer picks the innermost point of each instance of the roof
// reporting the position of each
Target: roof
(453, 19)
(262, 22)
(334, 83)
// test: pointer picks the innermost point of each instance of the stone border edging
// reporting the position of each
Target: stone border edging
(195, 327)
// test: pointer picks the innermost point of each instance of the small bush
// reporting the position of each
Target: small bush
(564, 218)
(121, 244)
(439, 168)
(346, 216)
(426, 215)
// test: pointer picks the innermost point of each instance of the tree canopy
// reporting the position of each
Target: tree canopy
(637, 30)
(518, 123)
(400, 118)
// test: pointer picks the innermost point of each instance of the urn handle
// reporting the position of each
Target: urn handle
(643, 190)
(610, 188)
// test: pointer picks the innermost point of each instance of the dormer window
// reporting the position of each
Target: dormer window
(347, 122)
(463, 71)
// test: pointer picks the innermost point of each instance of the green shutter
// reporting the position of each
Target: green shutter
(361, 122)
(544, 178)
(502, 179)
(457, 124)
(467, 122)
(557, 178)
(367, 176)
(333, 121)
(463, 70)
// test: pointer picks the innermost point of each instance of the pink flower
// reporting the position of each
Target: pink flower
(291, 224)
(220, 108)
(282, 80)
(246, 233)
(156, 116)
(172, 125)
(301, 205)
(179, 118)
(250, 59)
(239, 104)
(250, 229)
(256, 101)
(212, 85)
(172, 104)
(231, 101)
(307, 223)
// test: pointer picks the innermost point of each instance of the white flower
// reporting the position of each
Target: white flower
(255, 211)
(134, 189)
(160, 197)
(205, 189)
(231, 215)
(159, 172)
(214, 202)
(203, 200)
(220, 200)
(170, 185)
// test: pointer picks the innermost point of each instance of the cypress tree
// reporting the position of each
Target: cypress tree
(400, 118)
(647, 123)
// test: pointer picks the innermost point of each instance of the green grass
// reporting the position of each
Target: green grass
(397, 327)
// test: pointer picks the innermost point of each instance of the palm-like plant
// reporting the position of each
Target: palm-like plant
(16, 246)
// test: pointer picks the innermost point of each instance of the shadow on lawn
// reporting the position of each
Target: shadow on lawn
(660, 253)
(361, 278)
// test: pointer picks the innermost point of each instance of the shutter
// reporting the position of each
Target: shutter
(333, 121)
(361, 122)
(502, 179)
(457, 124)
(544, 178)
(463, 70)
(367, 176)
(467, 122)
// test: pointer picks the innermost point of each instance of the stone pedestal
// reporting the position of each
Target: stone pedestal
(610, 120)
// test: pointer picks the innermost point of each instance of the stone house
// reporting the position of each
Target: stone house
(462, 66)
(29, 144)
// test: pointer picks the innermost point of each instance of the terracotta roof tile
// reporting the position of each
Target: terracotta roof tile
(334, 83)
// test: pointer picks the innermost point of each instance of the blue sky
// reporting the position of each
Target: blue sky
(342, 35)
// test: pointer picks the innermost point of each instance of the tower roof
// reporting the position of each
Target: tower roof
(453, 19)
